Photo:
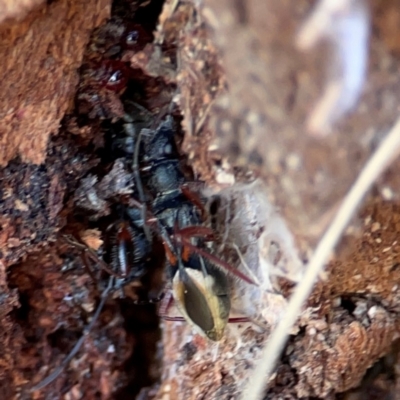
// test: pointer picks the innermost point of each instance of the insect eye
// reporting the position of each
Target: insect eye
(135, 37)
(132, 38)
(115, 77)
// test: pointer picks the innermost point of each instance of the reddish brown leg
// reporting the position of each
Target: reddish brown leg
(238, 320)
(168, 300)
(195, 199)
(173, 319)
(216, 261)
(124, 249)
(169, 254)
(195, 231)
(185, 253)
(165, 304)
(182, 235)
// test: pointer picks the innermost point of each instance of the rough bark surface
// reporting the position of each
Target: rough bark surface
(41, 56)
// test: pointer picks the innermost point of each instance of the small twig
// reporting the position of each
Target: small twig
(383, 156)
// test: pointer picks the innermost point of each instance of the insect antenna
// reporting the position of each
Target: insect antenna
(215, 260)
(136, 173)
(56, 373)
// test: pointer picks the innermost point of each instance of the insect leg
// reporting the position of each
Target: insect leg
(238, 320)
(195, 199)
(165, 304)
(217, 261)
(173, 319)
(195, 231)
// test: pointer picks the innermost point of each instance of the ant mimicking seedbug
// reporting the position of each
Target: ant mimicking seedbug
(199, 284)
(161, 233)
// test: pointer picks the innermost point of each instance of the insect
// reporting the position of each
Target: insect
(169, 210)
(199, 285)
